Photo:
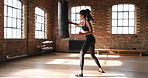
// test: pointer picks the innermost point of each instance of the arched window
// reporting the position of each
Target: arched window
(75, 17)
(40, 26)
(123, 19)
(12, 19)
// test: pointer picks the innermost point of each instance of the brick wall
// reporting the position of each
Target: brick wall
(101, 25)
(104, 39)
(28, 45)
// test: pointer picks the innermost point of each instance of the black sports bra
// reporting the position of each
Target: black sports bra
(85, 28)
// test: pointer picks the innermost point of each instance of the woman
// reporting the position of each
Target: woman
(89, 42)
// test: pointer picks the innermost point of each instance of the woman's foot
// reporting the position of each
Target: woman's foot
(79, 75)
(101, 70)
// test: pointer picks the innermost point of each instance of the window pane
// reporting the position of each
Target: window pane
(36, 34)
(12, 25)
(42, 13)
(125, 7)
(125, 19)
(9, 22)
(14, 3)
(114, 22)
(120, 7)
(19, 14)
(5, 21)
(77, 30)
(114, 15)
(120, 23)
(18, 33)
(131, 30)
(72, 26)
(19, 5)
(120, 30)
(35, 18)
(14, 12)
(125, 22)
(5, 32)
(19, 23)
(114, 30)
(42, 35)
(131, 14)
(131, 8)
(37, 26)
(73, 31)
(40, 23)
(125, 30)
(75, 17)
(42, 20)
(42, 27)
(125, 15)
(5, 10)
(10, 3)
(77, 9)
(10, 11)
(5, 1)
(114, 8)
(77, 21)
(38, 19)
(14, 33)
(131, 22)
(120, 15)
(83, 7)
(36, 10)
(9, 33)
(73, 10)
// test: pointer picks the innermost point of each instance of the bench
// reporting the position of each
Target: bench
(119, 50)
(46, 45)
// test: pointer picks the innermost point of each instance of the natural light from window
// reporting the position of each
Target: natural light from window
(123, 19)
(75, 17)
(12, 19)
(40, 26)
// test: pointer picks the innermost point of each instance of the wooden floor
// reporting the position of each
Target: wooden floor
(66, 65)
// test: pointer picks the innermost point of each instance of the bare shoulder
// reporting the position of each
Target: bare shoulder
(88, 23)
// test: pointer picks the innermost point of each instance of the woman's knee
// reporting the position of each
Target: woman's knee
(82, 53)
(93, 56)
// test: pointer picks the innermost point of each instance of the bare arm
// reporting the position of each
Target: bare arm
(80, 24)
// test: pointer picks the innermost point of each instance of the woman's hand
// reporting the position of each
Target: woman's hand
(71, 22)
(80, 33)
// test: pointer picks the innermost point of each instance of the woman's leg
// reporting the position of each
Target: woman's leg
(93, 55)
(92, 47)
(84, 49)
(82, 53)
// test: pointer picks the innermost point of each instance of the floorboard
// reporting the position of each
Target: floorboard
(66, 65)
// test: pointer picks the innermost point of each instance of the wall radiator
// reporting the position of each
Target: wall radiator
(75, 44)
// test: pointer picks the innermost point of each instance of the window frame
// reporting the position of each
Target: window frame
(77, 19)
(123, 19)
(39, 23)
(17, 28)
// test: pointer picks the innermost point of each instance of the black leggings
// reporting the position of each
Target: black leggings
(88, 44)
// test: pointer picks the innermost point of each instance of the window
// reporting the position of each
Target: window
(39, 23)
(75, 17)
(12, 19)
(123, 19)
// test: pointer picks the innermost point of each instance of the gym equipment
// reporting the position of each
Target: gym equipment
(63, 19)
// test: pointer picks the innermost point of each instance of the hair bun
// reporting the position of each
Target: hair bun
(88, 10)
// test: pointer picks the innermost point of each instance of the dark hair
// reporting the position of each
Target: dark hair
(86, 14)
